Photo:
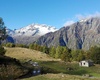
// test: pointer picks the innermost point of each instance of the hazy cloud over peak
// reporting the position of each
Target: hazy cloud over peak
(67, 23)
(80, 17)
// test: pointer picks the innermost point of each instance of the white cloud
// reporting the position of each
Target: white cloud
(80, 16)
(69, 23)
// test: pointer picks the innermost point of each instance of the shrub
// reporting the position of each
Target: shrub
(21, 45)
(10, 45)
(2, 50)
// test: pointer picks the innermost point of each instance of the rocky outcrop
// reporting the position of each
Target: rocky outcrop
(80, 35)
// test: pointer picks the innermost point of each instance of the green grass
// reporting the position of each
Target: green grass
(95, 74)
(53, 66)
(61, 72)
(59, 77)
(61, 67)
(39, 78)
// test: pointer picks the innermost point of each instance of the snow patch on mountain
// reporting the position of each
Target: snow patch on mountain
(83, 20)
(32, 30)
(9, 31)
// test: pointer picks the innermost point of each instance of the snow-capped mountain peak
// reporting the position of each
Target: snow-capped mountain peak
(30, 33)
(32, 30)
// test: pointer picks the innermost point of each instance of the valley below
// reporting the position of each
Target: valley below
(51, 68)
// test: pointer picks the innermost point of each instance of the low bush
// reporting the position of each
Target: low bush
(10, 68)
(10, 45)
(2, 50)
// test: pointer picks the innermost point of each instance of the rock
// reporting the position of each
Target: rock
(80, 35)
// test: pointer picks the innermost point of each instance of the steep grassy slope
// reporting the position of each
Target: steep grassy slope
(24, 54)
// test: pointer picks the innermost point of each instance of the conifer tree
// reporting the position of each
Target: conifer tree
(2, 35)
(2, 30)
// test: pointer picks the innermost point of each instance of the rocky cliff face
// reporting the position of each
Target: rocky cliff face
(80, 35)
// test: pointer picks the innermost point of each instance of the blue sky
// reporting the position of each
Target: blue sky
(20, 13)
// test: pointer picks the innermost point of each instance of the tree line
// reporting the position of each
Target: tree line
(66, 54)
(62, 52)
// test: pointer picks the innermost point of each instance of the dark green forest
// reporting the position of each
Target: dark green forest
(68, 55)
(63, 52)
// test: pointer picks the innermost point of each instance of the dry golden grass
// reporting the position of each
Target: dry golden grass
(60, 77)
(24, 53)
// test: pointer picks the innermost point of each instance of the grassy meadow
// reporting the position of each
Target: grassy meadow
(59, 77)
(54, 69)
(23, 54)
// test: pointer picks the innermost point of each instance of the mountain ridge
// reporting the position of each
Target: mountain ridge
(30, 33)
(79, 35)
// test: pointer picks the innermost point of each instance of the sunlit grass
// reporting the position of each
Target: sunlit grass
(52, 66)
(24, 54)
(59, 77)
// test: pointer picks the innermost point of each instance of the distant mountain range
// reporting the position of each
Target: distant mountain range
(80, 35)
(29, 33)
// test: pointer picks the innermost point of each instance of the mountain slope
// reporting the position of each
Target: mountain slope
(30, 33)
(80, 35)
(25, 54)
